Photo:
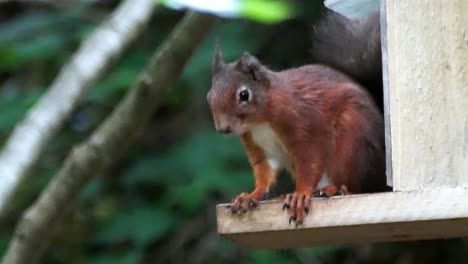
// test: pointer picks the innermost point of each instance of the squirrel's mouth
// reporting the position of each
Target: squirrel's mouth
(226, 131)
(232, 132)
(231, 127)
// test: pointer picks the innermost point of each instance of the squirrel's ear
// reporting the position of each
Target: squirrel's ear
(248, 64)
(218, 62)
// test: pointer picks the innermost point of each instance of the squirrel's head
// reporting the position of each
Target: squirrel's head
(238, 93)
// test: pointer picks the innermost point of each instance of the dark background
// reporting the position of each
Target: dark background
(157, 203)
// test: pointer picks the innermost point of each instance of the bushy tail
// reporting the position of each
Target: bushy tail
(352, 47)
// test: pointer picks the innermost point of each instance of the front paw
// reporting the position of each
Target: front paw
(242, 203)
(297, 204)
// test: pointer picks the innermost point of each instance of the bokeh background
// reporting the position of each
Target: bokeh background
(157, 203)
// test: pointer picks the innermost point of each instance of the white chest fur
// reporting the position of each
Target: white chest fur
(277, 155)
(264, 137)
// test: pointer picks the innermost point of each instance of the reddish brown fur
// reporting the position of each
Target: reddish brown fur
(327, 122)
(342, 124)
(264, 174)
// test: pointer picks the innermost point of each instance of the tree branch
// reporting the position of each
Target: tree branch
(36, 227)
(30, 136)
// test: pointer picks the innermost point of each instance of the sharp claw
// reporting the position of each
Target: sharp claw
(323, 194)
(306, 210)
(318, 194)
(285, 206)
(292, 218)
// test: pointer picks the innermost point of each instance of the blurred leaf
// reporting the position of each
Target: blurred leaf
(120, 78)
(270, 256)
(320, 251)
(4, 240)
(129, 257)
(189, 197)
(144, 170)
(227, 8)
(8, 56)
(140, 225)
(13, 109)
(232, 182)
(44, 46)
(40, 48)
(118, 81)
(265, 11)
(32, 23)
(199, 155)
(193, 169)
(105, 208)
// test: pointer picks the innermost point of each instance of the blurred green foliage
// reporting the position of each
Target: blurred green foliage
(156, 204)
(265, 11)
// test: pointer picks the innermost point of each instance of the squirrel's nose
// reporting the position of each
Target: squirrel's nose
(225, 130)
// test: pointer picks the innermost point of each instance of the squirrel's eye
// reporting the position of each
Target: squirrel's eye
(244, 96)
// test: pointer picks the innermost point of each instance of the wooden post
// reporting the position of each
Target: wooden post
(425, 56)
(427, 44)
(386, 93)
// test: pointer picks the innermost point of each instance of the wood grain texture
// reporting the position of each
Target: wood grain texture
(428, 82)
(386, 94)
(391, 216)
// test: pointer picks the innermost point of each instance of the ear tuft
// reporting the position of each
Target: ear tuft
(248, 64)
(218, 62)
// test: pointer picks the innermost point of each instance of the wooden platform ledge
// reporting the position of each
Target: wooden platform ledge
(413, 215)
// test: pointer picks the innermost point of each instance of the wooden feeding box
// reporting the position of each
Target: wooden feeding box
(425, 58)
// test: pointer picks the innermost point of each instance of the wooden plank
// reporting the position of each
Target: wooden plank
(386, 94)
(391, 216)
(427, 44)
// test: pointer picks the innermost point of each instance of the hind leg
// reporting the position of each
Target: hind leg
(331, 190)
(350, 152)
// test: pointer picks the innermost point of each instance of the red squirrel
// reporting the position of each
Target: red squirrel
(314, 121)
